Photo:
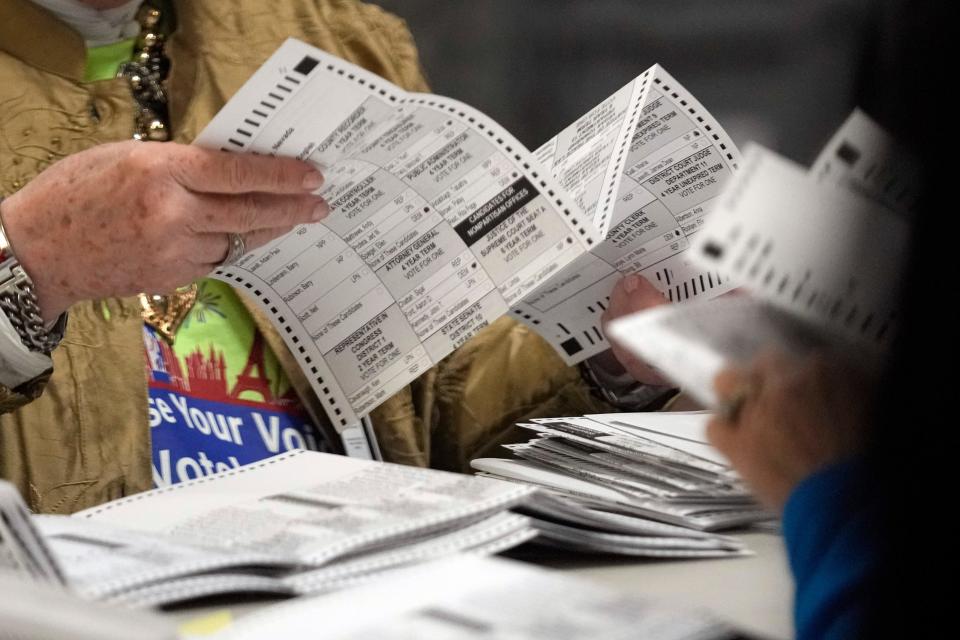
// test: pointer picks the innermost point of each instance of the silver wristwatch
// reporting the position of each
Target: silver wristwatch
(622, 391)
(19, 303)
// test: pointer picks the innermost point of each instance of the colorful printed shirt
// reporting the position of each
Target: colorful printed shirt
(218, 397)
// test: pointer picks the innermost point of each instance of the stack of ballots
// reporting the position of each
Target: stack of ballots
(643, 484)
(301, 523)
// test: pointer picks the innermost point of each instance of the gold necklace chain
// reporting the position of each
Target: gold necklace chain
(146, 73)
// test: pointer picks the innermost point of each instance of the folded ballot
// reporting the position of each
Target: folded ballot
(299, 523)
(441, 221)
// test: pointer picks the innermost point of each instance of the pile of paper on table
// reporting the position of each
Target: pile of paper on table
(298, 523)
(645, 484)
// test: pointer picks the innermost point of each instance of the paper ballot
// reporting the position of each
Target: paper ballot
(646, 165)
(861, 156)
(298, 523)
(818, 250)
(820, 254)
(693, 344)
(441, 221)
(636, 484)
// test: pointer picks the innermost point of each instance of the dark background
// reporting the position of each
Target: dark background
(780, 72)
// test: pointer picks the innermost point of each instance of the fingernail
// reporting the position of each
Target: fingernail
(321, 211)
(313, 181)
(630, 283)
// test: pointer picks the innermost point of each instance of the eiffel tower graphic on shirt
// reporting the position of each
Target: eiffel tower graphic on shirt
(206, 374)
(254, 374)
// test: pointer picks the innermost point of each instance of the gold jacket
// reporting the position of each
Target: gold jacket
(86, 439)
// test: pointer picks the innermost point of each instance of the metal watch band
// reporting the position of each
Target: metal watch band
(19, 303)
(639, 397)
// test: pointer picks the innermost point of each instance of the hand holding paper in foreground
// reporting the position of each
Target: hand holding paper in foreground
(787, 417)
(633, 294)
(128, 217)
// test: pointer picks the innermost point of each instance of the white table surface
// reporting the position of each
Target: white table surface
(754, 593)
